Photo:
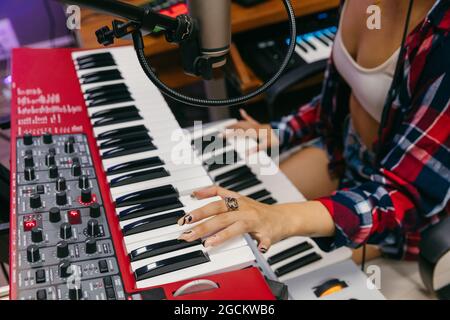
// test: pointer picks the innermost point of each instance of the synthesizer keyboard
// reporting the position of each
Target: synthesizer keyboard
(101, 172)
(94, 201)
(264, 49)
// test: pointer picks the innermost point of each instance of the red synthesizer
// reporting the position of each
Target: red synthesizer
(96, 192)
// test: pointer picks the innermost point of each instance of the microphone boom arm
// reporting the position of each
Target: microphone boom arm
(184, 31)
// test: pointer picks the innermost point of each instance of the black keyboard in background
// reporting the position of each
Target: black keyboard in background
(264, 49)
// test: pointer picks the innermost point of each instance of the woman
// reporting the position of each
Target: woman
(385, 175)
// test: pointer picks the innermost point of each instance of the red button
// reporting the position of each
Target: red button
(74, 216)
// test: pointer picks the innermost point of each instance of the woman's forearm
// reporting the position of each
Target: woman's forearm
(309, 218)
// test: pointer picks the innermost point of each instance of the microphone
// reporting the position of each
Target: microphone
(213, 18)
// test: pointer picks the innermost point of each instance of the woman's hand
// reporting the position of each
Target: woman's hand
(249, 127)
(263, 222)
(267, 224)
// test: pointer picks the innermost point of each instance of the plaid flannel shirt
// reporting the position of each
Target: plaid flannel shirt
(410, 188)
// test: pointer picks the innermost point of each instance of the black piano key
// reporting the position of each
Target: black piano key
(117, 133)
(322, 38)
(297, 264)
(150, 208)
(96, 64)
(157, 249)
(95, 59)
(117, 118)
(283, 255)
(259, 194)
(269, 200)
(106, 94)
(95, 56)
(232, 173)
(99, 73)
(211, 142)
(153, 194)
(110, 100)
(309, 43)
(237, 179)
(129, 149)
(134, 165)
(222, 160)
(303, 47)
(114, 111)
(171, 264)
(102, 78)
(245, 185)
(109, 88)
(112, 143)
(139, 176)
(153, 223)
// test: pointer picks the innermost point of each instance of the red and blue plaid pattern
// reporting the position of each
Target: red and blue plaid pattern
(409, 189)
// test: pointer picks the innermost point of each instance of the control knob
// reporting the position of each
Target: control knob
(83, 182)
(27, 139)
(47, 138)
(68, 147)
(29, 161)
(93, 229)
(94, 210)
(53, 172)
(75, 170)
(61, 198)
(91, 245)
(35, 201)
(50, 159)
(61, 184)
(75, 293)
(33, 253)
(86, 195)
(30, 174)
(54, 215)
(64, 269)
(37, 235)
(65, 231)
(62, 249)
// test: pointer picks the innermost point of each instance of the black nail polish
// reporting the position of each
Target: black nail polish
(203, 242)
(187, 232)
(263, 250)
(189, 218)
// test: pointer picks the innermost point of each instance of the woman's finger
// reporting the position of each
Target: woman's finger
(209, 227)
(234, 230)
(214, 191)
(211, 209)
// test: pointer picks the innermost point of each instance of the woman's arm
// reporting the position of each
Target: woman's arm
(410, 188)
(266, 223)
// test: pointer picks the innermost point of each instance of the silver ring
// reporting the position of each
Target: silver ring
(231, 203)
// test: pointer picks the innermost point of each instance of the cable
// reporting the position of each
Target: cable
(197, 102)
(51, 23)
(398, 73)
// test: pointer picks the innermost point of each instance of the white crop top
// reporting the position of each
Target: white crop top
(369, 86)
